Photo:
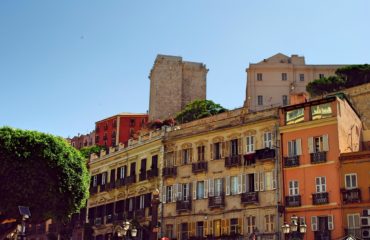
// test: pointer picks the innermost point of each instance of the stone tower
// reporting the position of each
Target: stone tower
(173, 84)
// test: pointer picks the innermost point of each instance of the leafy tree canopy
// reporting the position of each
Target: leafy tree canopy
(42, 172)
(199, 109)
(87, 151)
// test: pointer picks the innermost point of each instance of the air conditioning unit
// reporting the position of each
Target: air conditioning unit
(366, 212)
(365, 221)
(365, 233)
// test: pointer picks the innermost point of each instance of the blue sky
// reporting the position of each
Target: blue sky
(66, 64)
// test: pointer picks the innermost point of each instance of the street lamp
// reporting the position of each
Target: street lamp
(294, 230)
(122, 231)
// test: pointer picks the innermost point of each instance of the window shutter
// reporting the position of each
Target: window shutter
(178, 231)
(174, 192)
(178, 159)
(163, 200)
(240, 145)
(314, 223)
(179, 192)
(211, 187)
(227, 148)
(299, 146)
(191, 155)
(205, 188)
(262, 181)
(244, 183)
(290, 148)
(256, 181)
(193, 229)
(325, 143)
(205, 228)
(194, 190)
(210, 230)
(274, 179)
(211, 151)
(240, 223)
(227, 185)
(223, 149)
(331, 222)
(240, 183)
(310, 144)
(223, 227)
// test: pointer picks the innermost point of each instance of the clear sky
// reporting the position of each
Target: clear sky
(66, 64)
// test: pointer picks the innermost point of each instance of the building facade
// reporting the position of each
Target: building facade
(272, 81)
(84, 140)
(173, 84)
(313, 135)
(220, 179)
(119, 128)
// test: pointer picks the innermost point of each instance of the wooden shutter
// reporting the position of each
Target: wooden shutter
(240, 183)
(290, 146)
(240, 145)
(211, 189)
(274, 179)
(191, 155)
(256, 181)
(227, 149)
(223, 149)
(192, 229)
(210, 230)
(262, 181)
(244, 183)
(223, 227)
(211, 151)
(314, 223)
(205, 228)
(163, 200)
(310, 144)
(205, 188)
(331, 222)
(179, 192)
(241, 226)
(227, 185)
(194, 190)
(299, 146)
(174, 192)
(325, 143)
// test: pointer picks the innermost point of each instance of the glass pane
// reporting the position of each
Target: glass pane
(321, 111)
(295, 116)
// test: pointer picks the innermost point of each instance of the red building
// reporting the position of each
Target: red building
(119, 128)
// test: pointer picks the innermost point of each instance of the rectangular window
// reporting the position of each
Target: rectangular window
(293, 188)
(251, 224)
(294, 116)
(186, 156)
(199, 230)
(353, 221)
(269, 223)
(234, 226)
(321, 111)
(267, 140)
(132, 122)
(268, 180)
(250, 182)
(184, 231)
(169, 193)
(260, 100)
(250, 144)
(169, 231)
(284, 76)
(234, 185)
(294, 148)
(217, 150)
(318, 144)
(285, 100)
(185, 191)
(351, 180)
(320, 184)
(321, 75)
(169, 161)
(95, 181)
(200, 190)
(200, 153)
(259, 76)
(234, 147)
(301, 77)
(218, 186)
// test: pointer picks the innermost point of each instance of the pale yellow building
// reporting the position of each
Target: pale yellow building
(220, 177)
(271, 81)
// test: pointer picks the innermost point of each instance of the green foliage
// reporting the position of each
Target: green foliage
(199, 109)
(42, 172)
(325, 85)
(87, 151)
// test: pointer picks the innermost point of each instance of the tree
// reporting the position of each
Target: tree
(325, 85)
(87, 151)
(199, 109)
(42, 172)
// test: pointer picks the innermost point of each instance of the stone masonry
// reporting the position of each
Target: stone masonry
(173, 84)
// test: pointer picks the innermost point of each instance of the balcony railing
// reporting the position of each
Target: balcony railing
(320, 198)
(351, 195)
(249, 159)
(318, 157)
(94, 190)
(183, 205)
(130, 179)
(120, 182)
(249, 197)
(265, 154)
(356, 232)
(169, 172)
(293, 201)
(152, 173)
(233, 161)
(142, 175)
(291, 161)
(199, 167)
(216, 201)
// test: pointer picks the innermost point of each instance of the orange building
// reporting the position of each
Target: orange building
(313, 135)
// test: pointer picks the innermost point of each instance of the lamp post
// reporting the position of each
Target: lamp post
(155, 203)
(294, 230)
(122, 231)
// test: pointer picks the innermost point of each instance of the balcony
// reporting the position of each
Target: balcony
(216, 201)
(249, 159)
(199, 167)
(322, 235)
(351, 195)
(291, 161)
(152, 173)
(318, 157)
(293, 201)
(265, 154)
(353, 231)
(169, 172)
(111, 185)
(120, 182)
(140, 213)
(93, 190)
(320, 198)
(142, 175)
(103, 188)
(183, 205)
(249, 197)
(130, 179)
(233, 161)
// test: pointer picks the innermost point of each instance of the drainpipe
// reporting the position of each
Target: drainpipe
(277, 158)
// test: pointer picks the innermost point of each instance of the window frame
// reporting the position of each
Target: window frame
(320, 186)
(350, 175)
(293, 187)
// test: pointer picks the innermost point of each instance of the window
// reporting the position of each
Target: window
(260, 100)
(285, 100)
(321, 111)
(268, 181)
(185, 191)
(321, 75)
(294, 148)
(318, 144)
(259, 76)
(234, 226)
(301, 77)
(169, 161)
(169, 192)
(184, 231)
(351, 180)
(95, 180)
(251, 224)
(269, 223)
(234, 185)
(284, 76)
(353, 221)
(267, 140)
(169, 231)
(103, 178)
(200, 190)
(250, 182)
(293, 188)
(132, 122)
(217, 150)
(294, 116)
(200, 153)
(218, 186)
(186, 156)
(320, 184)
(142, 202)
(234, 147)
(250, 144)
(199, 230)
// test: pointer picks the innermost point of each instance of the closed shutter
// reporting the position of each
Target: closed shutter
(241, 226)
(331, 222)
(262, 181)
(240, 183)
(177, 158)
(240, 145)
(227, 226)
(299, 146)
(211, 151)
(211, 188)
(223, 227)
(244, 183)
(314, 223)
(163, 200)
(227, 185)
(274, 179)
(210, 225)
(194, 190)
(290, 147)
(223, 149)
(310, 144)
(325, 143)
(205, 188)
(191, 154)
(256, 181)
(205, 228)
(174, 192)
(192, 229)
(179, 192)
(227, 149)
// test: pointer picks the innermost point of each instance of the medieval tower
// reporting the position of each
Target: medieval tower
(173, 84)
